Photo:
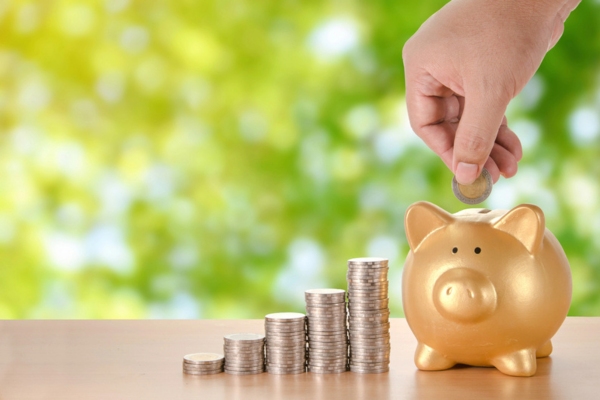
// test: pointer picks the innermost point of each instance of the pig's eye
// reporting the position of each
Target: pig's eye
(477, 250)
(455, 250)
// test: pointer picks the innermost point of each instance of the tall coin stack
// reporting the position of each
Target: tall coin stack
(286, 343)
(327, 333)
(368, 315)
(244, 353)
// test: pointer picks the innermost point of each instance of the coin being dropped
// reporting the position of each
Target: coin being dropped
(477, 191)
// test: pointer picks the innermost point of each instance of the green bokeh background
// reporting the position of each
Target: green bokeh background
(214, 159)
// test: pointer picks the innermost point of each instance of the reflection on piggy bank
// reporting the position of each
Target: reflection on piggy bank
(483, 288)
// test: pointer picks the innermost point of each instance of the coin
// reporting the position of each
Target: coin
(245, 337)
(213, 372)
(371, 261)
(233, 372)
(325, 370)
(285, 316)
(477, 191)
(286, 371)
(192, 368)
(203, 358)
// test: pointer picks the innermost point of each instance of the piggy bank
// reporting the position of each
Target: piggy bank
(483, 288)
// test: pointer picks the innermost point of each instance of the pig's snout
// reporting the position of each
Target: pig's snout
(464, 295)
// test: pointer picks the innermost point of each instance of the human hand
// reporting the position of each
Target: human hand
(462, 68)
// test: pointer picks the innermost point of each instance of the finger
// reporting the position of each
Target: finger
(505, 161)
(427, 114)
(509, 140)
(475, 135)
(492, 168)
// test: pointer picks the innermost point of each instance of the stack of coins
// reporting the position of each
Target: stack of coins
(368, 315)
(203, 363)
(244, 353)
(286, 343)
(327, 333)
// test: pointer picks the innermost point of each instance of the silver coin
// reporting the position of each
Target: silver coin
(278, 341)
(237, 362)
(203, 372)
(378, 273)
(189, 368)
(367, 286)
(326, 351)
(203, 358)
(385, 312)
(325, 317)
(325, 292)
(286, 322)
(295, 338)
(338, 319)
(285, 316)
(371, 319)
(284, 332)
(363, 281)
(289, 330)
(368, 260)
(368, 326)
(385, 347)
(241, 367)
(243, 354)
(286, 363)
(321, 357)
(330, 365)
(324, 343)
(232, 372)
(244, 345)
(367, 335)
(368, 364)
(333, 326)
(477, 191)
(286, 350)
(325, 370)
(242, 351)
(314, 337)
(358, 304)
(330, 308)
(361, 370)
(286, 371)
(245, 337)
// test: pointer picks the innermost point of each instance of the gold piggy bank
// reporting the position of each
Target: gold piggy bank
(483, 288)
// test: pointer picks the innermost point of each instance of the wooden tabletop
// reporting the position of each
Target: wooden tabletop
(142, 360)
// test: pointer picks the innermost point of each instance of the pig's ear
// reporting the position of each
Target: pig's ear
(526, 223)
(421, 219)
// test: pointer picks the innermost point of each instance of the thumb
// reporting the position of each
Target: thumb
(475, 136)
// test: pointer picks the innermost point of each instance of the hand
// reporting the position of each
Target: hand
(464, 65)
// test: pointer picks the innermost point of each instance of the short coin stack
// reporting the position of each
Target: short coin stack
(368, 315)
(203, 363)
(286, 343)
(327, 332)
(244, 353)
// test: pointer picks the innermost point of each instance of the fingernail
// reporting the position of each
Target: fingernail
(466, 173)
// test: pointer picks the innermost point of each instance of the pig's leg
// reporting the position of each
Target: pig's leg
(544, 350)
(519, 363)
(429, 359)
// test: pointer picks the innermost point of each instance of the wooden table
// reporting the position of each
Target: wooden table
(142, 360)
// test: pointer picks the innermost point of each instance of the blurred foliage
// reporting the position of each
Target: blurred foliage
(214, 159)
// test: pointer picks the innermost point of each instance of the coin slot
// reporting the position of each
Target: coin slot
(455, 250)
(484, 211)
(477, 250)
